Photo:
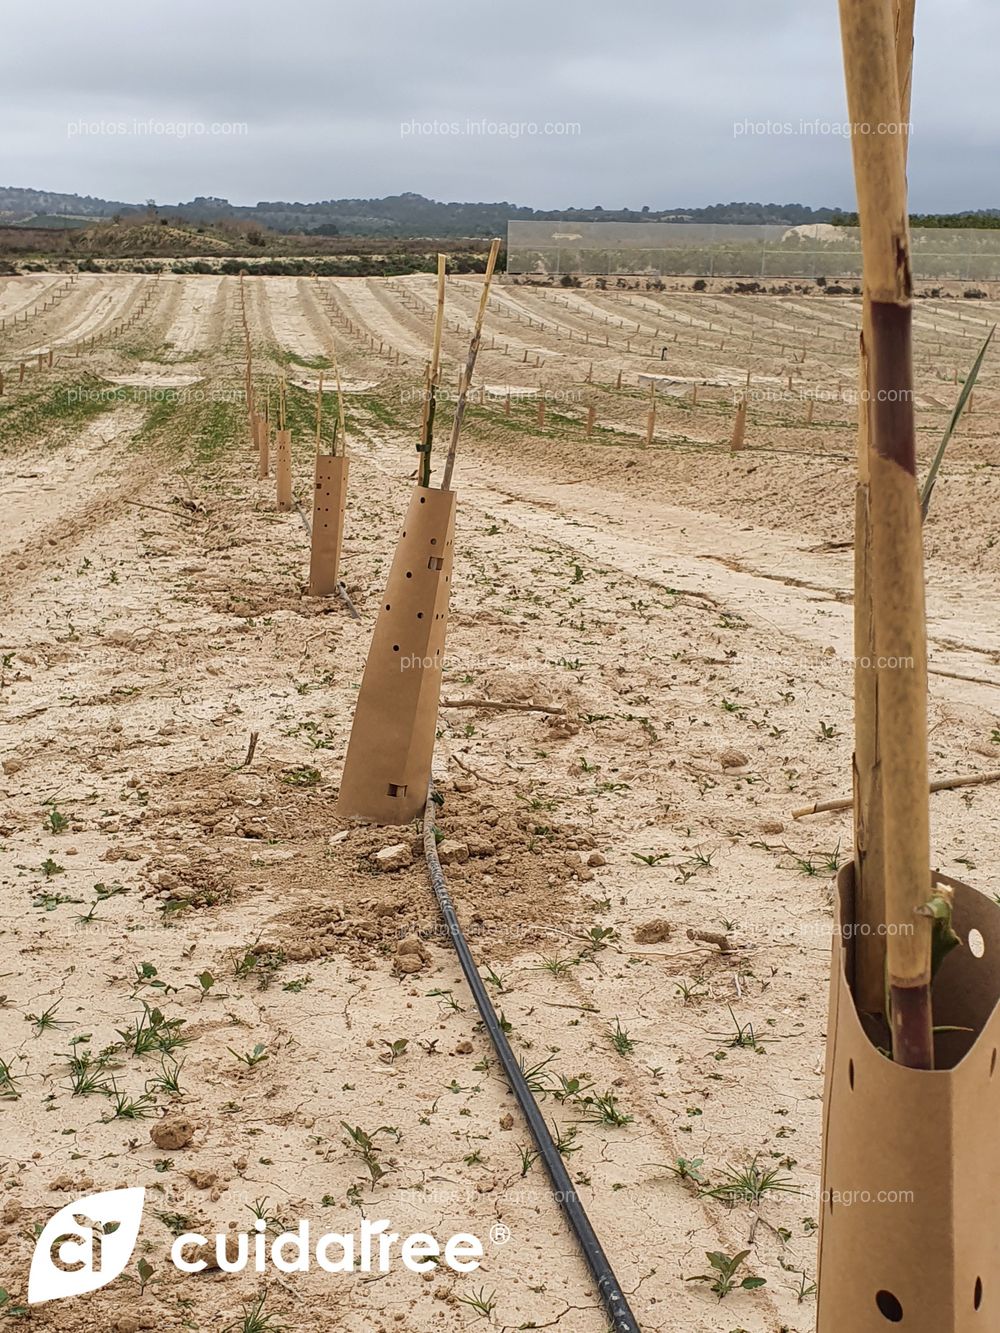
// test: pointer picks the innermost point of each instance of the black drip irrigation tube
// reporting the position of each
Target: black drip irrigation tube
(622, 1318)
(341, 590)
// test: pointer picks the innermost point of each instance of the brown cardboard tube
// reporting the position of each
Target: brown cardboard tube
(283, 468)
(329, 504)
(262, 432)
(388, 764)
(909, 1210)
(739, 426)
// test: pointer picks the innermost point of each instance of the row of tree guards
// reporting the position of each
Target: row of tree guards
(912, 1086)
(47, 359)
(330, 468)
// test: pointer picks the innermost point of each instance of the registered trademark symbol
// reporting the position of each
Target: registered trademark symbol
(500, 1233)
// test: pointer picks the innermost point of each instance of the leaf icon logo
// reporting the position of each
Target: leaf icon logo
(85, 1245)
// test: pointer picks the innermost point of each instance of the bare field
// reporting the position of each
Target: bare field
(688, 609)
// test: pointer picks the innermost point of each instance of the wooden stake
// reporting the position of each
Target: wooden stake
(869, 840)
(477, 334)
(900, 637)
(591, 416)
(433, 378)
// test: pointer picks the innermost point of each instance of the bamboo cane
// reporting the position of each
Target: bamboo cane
(341, 427)
(944, 784)
(477, 333)
(896, 565)
(433, 378)
(319, 409)
(869, 855)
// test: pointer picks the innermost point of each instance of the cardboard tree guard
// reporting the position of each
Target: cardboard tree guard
(388, 764)
(329, 503)
(283, 468)
(910, 1207)
(262, 434)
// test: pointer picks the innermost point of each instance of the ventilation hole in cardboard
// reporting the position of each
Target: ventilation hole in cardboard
(420, 615)
(889, 1307)
(850, 1073)
(977, 945)
(409, 575)
(435, 562)
(404, 534)
(434, 541)
(395, 647)
(397, 789)
(977, 1294)
(423, 500)
(388, 607)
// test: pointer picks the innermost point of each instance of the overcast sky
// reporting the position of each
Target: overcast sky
(667, 102)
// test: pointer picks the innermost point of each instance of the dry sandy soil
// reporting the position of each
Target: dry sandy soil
(689, 611)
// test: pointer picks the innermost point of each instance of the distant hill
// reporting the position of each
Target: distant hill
(395, 215)
(410, 215)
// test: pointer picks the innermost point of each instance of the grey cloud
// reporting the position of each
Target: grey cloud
(324, 89)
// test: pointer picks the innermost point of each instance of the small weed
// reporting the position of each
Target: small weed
(46, 1020)
(125, 1107)
(603, 1110)
(8, 1082)
(722, 1280)
(168, 1079)
(750, 1184)
(251, 1058)
(363, 1144)
(56, 822)
(620, 1039)
(482, 1304)
(565, 1140)
(687, 1169)
(690, 990)
(254, 1320)
(89, 1074)
(151, 1031)
(558, 967)
(394, 1050)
